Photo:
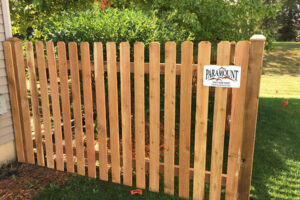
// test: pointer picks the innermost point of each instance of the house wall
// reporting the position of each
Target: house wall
(7, 145)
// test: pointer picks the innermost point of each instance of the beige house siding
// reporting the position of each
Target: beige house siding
(7, 149)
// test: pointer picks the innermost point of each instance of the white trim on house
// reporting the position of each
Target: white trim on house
(7, 147)
(6, 19)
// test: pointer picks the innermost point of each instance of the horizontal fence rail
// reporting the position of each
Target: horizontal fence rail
(119, 118)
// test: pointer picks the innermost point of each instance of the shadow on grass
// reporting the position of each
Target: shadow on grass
(276, 169)
(284, 59)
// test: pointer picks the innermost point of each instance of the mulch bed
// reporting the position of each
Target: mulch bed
(23, 181)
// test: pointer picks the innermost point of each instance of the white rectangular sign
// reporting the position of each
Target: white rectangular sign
(222, 76)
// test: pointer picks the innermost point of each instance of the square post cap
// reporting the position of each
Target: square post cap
(258, 37)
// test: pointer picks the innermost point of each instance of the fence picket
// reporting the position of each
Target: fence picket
(169, 118)
(113, 110)
(14, 101)
(35, 104)
(88, 107)
(229, 91)
(101, 109)
(126, 112)
(55, 106)
(219, 127)
(185, 117)
(154, 108)
(139, 113)
(45, 102)
(237, 119)
(65, 100)
(204, 54)
(76, 97)
(24, 101)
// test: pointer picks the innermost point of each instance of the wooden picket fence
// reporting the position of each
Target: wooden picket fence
(53, 128)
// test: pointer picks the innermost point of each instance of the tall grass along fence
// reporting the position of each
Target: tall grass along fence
(100, 118)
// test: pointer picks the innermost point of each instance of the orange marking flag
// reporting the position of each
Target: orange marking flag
(137, 191)
(285, 103)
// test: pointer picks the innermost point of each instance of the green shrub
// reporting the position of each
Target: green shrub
(110, 25)
(28, 16)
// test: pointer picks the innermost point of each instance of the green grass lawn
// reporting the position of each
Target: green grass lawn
(281, 71)
(276, 172)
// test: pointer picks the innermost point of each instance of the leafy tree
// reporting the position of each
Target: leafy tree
(289, 18)
(270, 23)
(212, 20)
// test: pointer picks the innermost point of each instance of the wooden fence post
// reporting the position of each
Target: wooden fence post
(19, 65)
(14, 101)
(24, 108)
(250, 117)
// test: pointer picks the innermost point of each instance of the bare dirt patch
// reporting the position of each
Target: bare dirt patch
(22, 181)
